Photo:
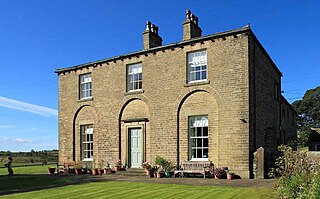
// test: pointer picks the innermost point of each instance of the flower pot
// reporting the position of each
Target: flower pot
(148, 172)
(107, 171)
(100, 171)
(169, 174)
(230, 176)
(94, 171)
(51, 170)
(117, 168)
(160, 175)
(78, 171)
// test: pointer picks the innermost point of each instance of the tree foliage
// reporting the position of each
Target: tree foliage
(308, 110)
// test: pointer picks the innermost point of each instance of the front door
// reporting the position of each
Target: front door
(135, 147)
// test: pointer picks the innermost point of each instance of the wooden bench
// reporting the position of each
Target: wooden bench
(194, 167)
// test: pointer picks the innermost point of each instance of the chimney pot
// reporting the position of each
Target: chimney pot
(191, 28)
(151, 37)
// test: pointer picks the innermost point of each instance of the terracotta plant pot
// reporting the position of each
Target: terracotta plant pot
(94, 171)
(230, 176)
(148, 172)
(159, 175)
(51, 170)
(107, 171)
(100, 171)
(117, 168)
(78, 171)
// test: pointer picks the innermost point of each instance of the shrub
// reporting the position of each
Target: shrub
(297, 177)
(164, 163)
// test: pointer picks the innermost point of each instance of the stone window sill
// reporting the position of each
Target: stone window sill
(197, 83)
(85, 99)
(134, 92)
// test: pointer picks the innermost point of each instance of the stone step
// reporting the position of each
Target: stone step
(132, 172)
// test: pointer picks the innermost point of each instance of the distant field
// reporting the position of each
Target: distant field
(32, 185)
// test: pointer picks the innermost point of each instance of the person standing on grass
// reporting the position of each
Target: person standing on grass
(9, 166)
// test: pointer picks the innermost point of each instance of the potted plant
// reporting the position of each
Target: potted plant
(218, 173)
(94, 169)
(107, 169)
(117, 165)
(100, 167)
(230, 175)
(51, 170)
(162, 163)
(168, 167)
(78, 168)
(147, 167)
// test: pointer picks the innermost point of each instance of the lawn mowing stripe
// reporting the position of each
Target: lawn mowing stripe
(57, 192)
(112, 189)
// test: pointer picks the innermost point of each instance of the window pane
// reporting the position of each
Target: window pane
(131, 86)
(192, 132)
(205, 131)
(130, 78)
(205, 142)
(140, 85)
(197, 75)
(140, 76)
(199, 142)
(205, 153)
(192, 77)
(199, 131)
(136, 85)
(192, 68)
(193, 142)
(193, 153)
(204, 75)
(199, 153)
(204, 67)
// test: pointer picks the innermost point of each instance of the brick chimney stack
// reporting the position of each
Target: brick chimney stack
(151, 36)
(190, 27)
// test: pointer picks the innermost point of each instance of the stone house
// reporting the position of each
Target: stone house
(314, 140)
(215, 97)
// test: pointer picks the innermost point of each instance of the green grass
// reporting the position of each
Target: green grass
(29, 184)
(144, 190)
(28, 170)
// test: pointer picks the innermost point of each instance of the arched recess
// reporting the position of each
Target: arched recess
(85, 115)
(196, 103)
(134, 114)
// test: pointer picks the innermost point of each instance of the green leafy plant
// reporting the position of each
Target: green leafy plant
(147, 165)
(297, 177)
(164, 164)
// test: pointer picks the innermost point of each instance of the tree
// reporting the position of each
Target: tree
(308, 110)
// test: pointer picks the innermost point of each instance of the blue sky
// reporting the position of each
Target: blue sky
(38, 36)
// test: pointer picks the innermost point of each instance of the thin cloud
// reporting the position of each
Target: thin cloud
(7, 127)
(23, 106)
(20, 140)
(4, 139)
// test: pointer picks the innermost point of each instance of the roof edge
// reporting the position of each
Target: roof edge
(171, 45)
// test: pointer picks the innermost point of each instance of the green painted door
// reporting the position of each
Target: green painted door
(135, 147)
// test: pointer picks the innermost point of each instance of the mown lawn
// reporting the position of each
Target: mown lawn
(29, 184)
(144, 190)
(27, 170)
